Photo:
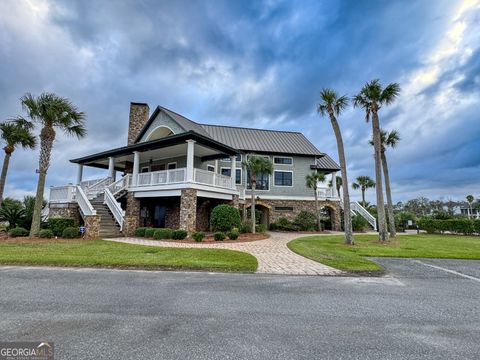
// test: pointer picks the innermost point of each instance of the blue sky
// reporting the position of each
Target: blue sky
(252, 63)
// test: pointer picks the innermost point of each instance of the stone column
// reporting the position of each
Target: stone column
(188, 210)
(136, 167)
(190, 159)
(235, 201)
(111, 168)
(79, 174)
(335, 217)
(92, 226)
(132, 215)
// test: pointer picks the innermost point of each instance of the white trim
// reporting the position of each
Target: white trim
(282, 186)
(170, 163)
(282, 157)
(229, 160)
(183, 185)
(287, 197)
(213, 195)
(241, 173)
(144, 167)
(211, 167)
(147, 137)
(157, 193)
(269, 185)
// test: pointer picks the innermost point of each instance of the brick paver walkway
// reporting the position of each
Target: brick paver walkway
(273, 255)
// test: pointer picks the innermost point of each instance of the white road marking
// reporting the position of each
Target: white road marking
(449, 271)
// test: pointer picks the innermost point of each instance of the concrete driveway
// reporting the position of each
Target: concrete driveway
(416, 312)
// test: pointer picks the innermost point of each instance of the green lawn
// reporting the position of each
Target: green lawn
(330, 250)
(99, 253)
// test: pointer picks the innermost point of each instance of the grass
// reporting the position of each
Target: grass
(99, 253)
(330, 250)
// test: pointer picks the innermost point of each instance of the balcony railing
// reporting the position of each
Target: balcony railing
(327, 193)
(213, 179)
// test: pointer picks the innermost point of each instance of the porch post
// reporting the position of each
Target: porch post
(216, 167)
(136, 167)
(79, 174)
(111, 168)
(190, 159)
(334, 184)
(233, 171)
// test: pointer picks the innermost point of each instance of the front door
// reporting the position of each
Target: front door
(159, 214)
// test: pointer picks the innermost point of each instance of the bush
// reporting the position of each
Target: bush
(140, 232)
(261, 228)
(233, 235)
(198, 236)
(45, 234)
(57, 225)
(359, 223)
(219, 236)
(160, 234)
(283, 224)
(149, 232)
(18, 231)
(459, 226)
(245, 227)
(70, 232)
(179, 234)
(224, 218)
(306, 221)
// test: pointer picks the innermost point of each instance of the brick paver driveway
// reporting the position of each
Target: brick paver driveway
(273, 255)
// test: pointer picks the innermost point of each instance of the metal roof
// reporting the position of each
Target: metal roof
(258, 140)
(326, 163)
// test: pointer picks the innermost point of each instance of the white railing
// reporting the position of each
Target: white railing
(326, 193)
(211, 178)
(163, 177)
(115, 207)
(45, 212)
(95, 189)
(119, 185)
(62, 194)
(87, 183)
(84, 204)
(359, 209)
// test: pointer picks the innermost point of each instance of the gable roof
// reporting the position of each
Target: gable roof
(259, 140)
(325, 163)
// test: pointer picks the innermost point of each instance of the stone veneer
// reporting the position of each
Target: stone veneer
(172, 216)
(298, 206)
(132, 215)
(92, 226)
(188, 210)
(137, 120)
(69, 211)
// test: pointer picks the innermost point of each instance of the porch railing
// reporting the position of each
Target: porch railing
(327, 193)
(84, 204)
(115, 207)
(211, 178)
(162, 177)
(62, 194)
(119, 185)
(95, 189)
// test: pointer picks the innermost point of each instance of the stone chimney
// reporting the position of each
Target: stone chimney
(139, 113)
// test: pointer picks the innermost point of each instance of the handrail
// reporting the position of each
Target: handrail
(119, 185)
(114, 207)
(45, 212)
(84, 204)
(210, 178)
(88, 183)
(355, 206)
(98, 187)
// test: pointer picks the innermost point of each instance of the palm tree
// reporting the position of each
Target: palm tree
(15, 133)
(312, 183)
(371, 98)
(338, 184)
(332, 105)
(256, 165)
(363, 183)
(52, 113)
(390, 139)
(470, 200)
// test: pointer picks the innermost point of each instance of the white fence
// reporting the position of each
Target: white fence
(213, 179)
(162, 177)
(327, 193)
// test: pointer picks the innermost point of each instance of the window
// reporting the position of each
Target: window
(211, 168)
(172, 165)
(238, 174)
(263, 181)
(284, 208)
(239, 158)
(145, 169)
(283, 160)
(283, 178)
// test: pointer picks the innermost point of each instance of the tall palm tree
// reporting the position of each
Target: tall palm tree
(371, 98)
(256, 165)
(338, 184)
(470, 200)
(312, 183)
(332, 105)
(363, 183)
(52, 113)
(15, 133)
(390, 139)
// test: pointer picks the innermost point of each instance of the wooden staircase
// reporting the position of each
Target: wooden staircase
(108, 226)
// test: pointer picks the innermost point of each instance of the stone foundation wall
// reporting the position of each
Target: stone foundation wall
(92, 226)
(69, 211)
(203, 213)
(172, 217)
(130, 224)
(132, 215)
(188, 210)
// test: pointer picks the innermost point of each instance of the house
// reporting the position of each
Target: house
(175, 171)
(472, 212)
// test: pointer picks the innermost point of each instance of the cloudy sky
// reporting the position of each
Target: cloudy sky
(253, 63)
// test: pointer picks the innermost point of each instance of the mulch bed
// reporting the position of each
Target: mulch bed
(210, 239)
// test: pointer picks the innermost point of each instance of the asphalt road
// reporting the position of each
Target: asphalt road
(418, 311)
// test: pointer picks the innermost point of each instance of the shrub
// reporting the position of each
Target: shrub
(305, 220)
(245, 227)
(219, 236)
(18, 231)
(261, 228)
(149, 232)
(359, 223)
(233, 235)
(224, 218)
(459, 226)
(179, 234)
(283, 224)
(160, 234)
(140, 232)
(45, 234)
(198, 236)
(70, 232)
(57, 225)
